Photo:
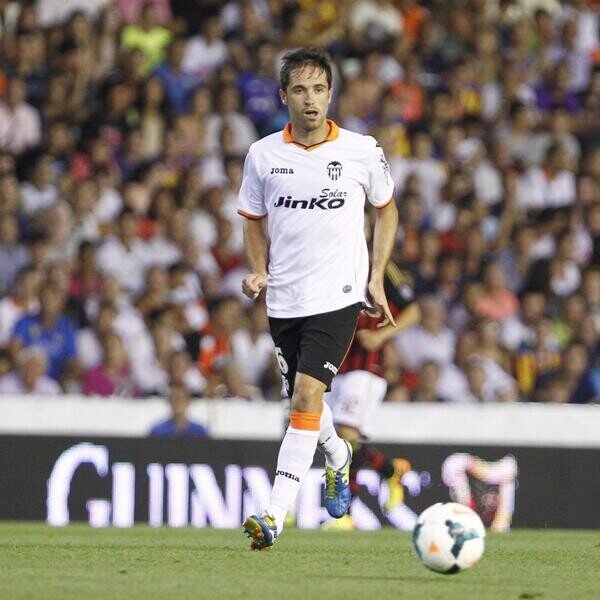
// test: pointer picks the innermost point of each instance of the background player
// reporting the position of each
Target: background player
(311, 181)
(360, 387)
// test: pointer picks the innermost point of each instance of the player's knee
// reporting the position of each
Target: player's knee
(307, 398)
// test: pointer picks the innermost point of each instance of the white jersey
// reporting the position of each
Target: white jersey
(314, 198)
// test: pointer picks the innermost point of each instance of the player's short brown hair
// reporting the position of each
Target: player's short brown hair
(296, 59)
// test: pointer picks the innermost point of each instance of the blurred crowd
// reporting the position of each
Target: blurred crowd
(123, 130)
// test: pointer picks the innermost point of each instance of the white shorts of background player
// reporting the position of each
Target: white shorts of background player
(355, 397)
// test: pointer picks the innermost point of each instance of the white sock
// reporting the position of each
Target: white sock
(295, 459)
(330, 443)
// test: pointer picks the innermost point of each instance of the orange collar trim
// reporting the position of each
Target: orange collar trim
(333, 134)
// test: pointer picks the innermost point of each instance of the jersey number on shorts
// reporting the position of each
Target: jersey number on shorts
(283, 366)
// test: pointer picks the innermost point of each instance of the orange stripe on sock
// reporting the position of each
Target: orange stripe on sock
(306, 421)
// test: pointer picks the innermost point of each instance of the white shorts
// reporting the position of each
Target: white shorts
(354, 398)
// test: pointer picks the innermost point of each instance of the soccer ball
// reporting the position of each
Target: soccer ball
(449, 537)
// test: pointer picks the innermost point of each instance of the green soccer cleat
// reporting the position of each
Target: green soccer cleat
(261, 530)
(337, 488)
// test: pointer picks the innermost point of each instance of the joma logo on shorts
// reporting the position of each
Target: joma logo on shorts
(288, 475)
(323, 203)
(331, 367)
(281, 171)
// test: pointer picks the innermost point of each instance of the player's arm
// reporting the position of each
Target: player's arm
(251, 206)
(257, 251)
(373, 339)
(384, 236)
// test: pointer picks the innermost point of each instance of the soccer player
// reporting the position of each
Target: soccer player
(303, 195)
(359, 388)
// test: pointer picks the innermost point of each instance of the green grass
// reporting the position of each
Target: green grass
(82, 563)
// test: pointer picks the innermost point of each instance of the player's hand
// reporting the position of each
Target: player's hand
(380, 303)
(369, 339)
(253, 284)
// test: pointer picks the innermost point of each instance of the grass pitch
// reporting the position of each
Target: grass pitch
(142, 563)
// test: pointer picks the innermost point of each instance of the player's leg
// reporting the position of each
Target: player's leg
(263, 529)
(298, 446)
(367, 456)
(389, 468)
(357, 398)
(331, 442)
(295, 458)
(324, 343)
(319, 344)
(352, 437)
(348, 411)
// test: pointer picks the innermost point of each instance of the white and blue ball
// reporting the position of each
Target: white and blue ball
(449, 538)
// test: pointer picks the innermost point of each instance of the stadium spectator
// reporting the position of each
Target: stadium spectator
(228, 115)
(588, 387)
(39, 192)
(560, 384)
(373, 23)
(497, 302)
(124, 255)
(179, 426)
(488, 383)
(85, 280)
(179, 83)
(89, 346)
(259, 88)
(431, 340)
(22, 300)
(252, 346)
(488, 343)
(131, 11)
(183, 372)
(148, 36)
(53, 332)
(212, 347)
(155, 294)
(207, 51)
(430, 171)
(20, 123)
(426, 390)
(13, 253)
(112, 377)
(30, 375)
(152, 117)
(548, 185)
(518, 135)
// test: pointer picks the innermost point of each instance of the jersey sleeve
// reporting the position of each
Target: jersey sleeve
(251, 199)
(380, 184)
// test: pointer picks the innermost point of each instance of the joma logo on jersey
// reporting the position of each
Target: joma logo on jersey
(281, 171)
(334, 170)
(323, 202)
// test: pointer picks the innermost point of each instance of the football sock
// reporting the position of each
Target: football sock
(330, 443)
(295, 459)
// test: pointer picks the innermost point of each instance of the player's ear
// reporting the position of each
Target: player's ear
(283, 96)
(330, 95)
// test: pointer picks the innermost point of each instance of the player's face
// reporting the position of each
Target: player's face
(307, 96)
